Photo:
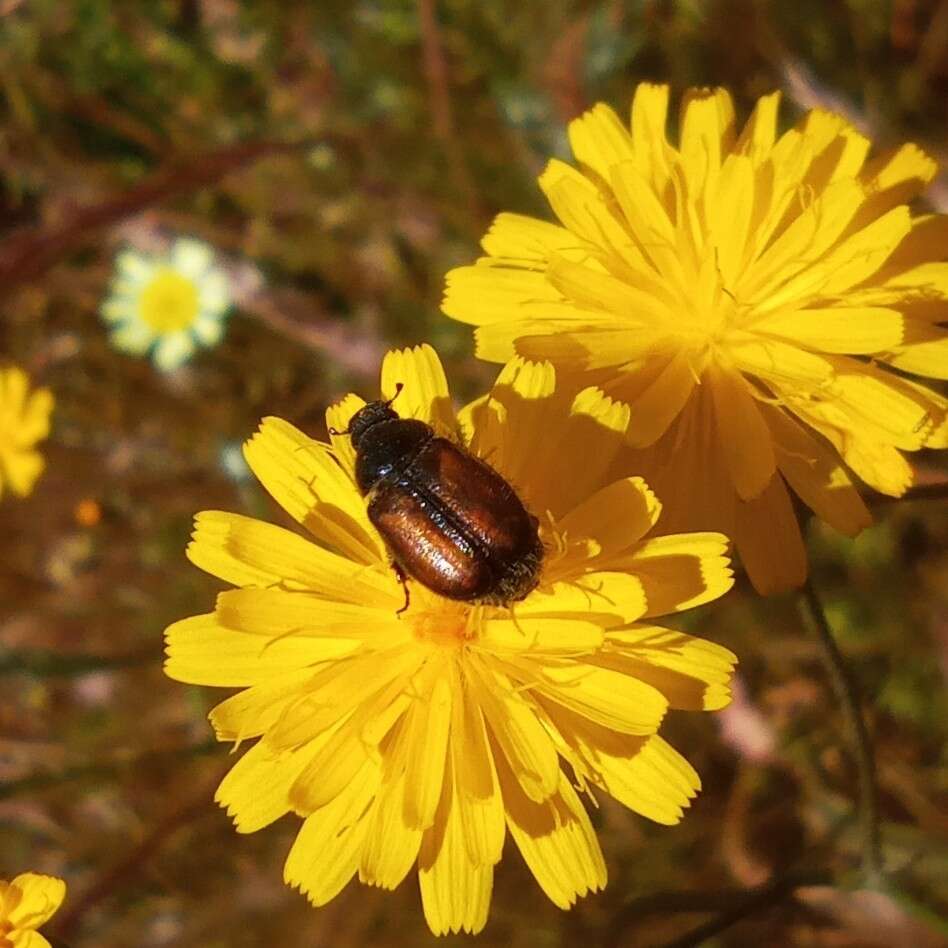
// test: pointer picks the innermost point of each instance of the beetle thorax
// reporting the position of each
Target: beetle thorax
(386, 447)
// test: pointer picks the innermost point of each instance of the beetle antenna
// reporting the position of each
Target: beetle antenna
(398, 390)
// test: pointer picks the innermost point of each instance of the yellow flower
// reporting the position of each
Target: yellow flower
(167, 303)
(423, 737)
(26, 903)
(748, 296)
(24, 420)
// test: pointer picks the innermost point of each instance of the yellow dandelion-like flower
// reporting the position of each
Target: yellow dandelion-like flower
(168, 303)
(26, 903)
(748, 295)
(424, 737)
(24, 420)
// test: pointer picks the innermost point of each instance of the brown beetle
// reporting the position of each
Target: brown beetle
(449, 519)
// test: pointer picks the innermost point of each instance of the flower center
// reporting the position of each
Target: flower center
(169, 302)
(440, 621)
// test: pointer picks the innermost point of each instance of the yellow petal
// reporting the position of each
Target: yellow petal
(928, 358)
(556, 840)
(861, 255)
(28, 939)
(305, 479)
(657, 782)
(579, 205)
(255, 790)
(707, 129)
(336, 690)
(648, 120)
(607, 697)
(529, 634)
(202, 651)
(40, 897)
(897, 177)
(518, 732)
(768, 539)
(455, 891)
(745, 437)
(814, 472)
(808, 238)
(337, 760)
(22, 471)
(652, 411)
(645, 214)
(391, 846)
(643, 773)
(273, 612)
(857, 329)
(425, 394)
(338, 417)
(327, 849)
(615, 516)
(758, 135)
(517, 236)
(427, 726)
(588, 602)
(730, 207)
(778, 362)
(877, 403)
(599, 140)
(840, 150)
(14, 384)
(481, 808)
(681, 571)
(641, 313)
(691, 673)
(524, 401)
(248, 552)
(488, 292)
(253, 711)
(880, 465)
(33, 425)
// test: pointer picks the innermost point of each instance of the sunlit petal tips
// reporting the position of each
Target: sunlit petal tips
(415, 740)
(26, 903)
(167, 304)
(748, 296)
(24, 421)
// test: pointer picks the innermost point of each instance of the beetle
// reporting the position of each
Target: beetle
(448, 518)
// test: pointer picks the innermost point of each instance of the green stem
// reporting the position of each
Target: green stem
(847, 697)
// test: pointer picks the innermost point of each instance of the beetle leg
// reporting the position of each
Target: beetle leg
(403, 579)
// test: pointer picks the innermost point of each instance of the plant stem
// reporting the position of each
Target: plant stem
(757, 900)
(848, 698)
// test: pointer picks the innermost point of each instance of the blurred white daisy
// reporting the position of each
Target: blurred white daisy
(167, 304)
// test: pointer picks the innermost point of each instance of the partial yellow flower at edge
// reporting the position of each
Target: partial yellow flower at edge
(422, 739)
(24, 421)
(749, 297)
(26, 903)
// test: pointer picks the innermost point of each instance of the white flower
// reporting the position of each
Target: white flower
(167, 304)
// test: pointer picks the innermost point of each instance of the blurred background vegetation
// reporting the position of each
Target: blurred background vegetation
(342, 156)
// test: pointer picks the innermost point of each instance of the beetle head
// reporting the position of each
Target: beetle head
(367, 417)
